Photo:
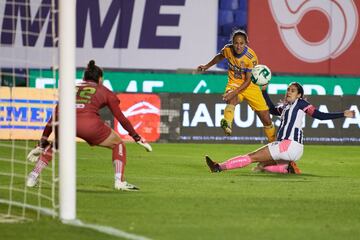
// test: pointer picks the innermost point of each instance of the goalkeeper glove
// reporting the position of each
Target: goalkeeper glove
(139, 140)
(34, 154)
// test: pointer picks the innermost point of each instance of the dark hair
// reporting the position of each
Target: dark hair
(93, 72)
(299, 88)
(239, 32)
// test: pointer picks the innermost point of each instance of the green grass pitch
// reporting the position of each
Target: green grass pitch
(181, 199)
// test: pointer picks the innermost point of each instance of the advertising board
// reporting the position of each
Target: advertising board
(200, 117)
(160, 82)
(312, 37)
(141, 34)
(24, 112)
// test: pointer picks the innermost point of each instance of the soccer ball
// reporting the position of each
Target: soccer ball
(260, 75)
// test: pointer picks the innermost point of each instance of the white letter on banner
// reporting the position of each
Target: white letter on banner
(355, 120)
(320, 90)
(273, 88)
(186, 108)
(316, 122)
(202, 115)
(132, 87)
(250, 117)
(219, 113)
(149, 85)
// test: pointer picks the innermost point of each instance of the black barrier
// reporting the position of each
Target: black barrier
(200, 115)
(196, 118)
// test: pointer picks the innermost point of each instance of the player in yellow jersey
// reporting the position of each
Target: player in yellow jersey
(241, 60)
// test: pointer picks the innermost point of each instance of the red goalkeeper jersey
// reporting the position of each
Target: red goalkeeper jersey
(91, 97)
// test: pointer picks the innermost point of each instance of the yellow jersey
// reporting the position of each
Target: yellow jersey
(239, 64)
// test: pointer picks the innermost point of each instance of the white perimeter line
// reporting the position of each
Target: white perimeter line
(105, 229)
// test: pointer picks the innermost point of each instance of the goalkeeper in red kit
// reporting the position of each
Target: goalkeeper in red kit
(91, 96)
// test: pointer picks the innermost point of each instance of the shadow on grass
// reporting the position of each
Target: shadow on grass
(285, 176)
(105, 190)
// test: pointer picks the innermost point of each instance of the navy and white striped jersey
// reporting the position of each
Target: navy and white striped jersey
(292, 116)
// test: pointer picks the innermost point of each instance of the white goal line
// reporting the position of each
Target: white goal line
(45, 211)
(105, 229)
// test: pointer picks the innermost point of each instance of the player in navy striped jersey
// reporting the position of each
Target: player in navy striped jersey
(280, 156)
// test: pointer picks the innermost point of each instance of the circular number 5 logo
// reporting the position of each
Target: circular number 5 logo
(343, 25)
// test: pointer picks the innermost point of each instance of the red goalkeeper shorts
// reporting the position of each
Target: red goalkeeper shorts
(93, 130)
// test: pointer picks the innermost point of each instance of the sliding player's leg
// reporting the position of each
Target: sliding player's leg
(277, 168)
(260, 166)
(280, 166)
(260, 155)
(285, 153)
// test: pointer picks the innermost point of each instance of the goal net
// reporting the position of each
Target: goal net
(28, 94)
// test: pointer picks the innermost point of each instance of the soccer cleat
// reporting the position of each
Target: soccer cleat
(125, 186)
(214, 166)
(32, 180)
(226, 127)
(293, 168)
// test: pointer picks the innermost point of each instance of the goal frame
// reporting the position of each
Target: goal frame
(67, 112)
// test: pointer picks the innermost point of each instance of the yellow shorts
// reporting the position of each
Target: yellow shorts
(252, 94)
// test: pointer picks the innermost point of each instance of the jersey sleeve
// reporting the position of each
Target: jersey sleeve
(275, 110)
(225, 51)
(113, 104)
(311, 110)
(253, 60)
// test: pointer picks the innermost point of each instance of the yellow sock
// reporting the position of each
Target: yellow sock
(270, 132)
(229, 113)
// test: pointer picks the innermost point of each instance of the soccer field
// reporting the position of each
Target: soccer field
(181, 199)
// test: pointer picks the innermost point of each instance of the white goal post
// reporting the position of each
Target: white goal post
(37, 41)
(67, 117)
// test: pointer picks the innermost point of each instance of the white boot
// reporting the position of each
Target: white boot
(125, 186)
(32, 180)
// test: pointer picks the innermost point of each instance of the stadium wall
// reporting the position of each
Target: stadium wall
(139, 34)
(195, 118)
(168, 117)
(214, 82)
(312, 37)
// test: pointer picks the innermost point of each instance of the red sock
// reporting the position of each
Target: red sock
(46, 156)
(119, 160)
(39, 167)
(44, 160)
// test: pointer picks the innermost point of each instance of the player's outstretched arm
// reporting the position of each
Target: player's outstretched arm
(35, 153)
(332, 115)
(142, 142)
(213, 61)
